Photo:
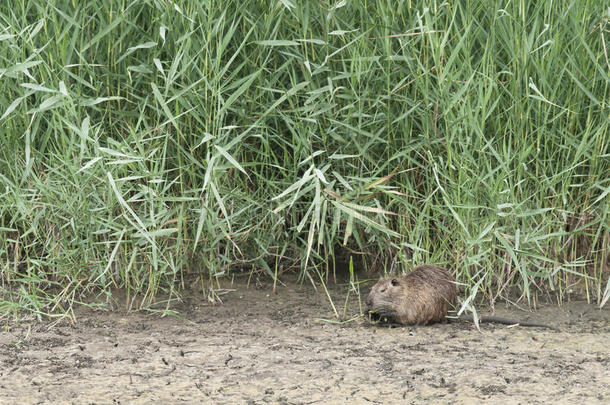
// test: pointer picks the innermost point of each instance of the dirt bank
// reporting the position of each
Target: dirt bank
(260, 347)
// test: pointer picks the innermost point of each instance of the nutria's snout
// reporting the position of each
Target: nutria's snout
(369, 303)
(371, 310)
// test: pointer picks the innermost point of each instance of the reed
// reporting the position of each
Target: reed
(147, 141)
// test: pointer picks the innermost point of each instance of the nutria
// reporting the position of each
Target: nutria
(423, 296)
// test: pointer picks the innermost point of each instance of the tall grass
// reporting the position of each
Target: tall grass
(144, 141)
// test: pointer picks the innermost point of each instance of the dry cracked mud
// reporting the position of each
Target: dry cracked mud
(259, 347)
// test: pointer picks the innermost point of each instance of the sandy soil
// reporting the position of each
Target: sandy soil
(259, 347)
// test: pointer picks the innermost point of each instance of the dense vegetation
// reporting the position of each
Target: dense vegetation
(146, 140)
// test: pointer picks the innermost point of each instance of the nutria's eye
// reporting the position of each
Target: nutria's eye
(394, 282)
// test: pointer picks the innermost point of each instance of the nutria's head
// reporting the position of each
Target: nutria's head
(385, 298)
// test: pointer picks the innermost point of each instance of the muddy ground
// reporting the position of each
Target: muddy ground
(259, 347)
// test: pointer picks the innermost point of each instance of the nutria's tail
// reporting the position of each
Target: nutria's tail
(506, 321)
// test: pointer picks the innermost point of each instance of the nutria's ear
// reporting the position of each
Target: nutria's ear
(394, 282)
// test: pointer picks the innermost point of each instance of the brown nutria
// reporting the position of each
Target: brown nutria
(423, 296)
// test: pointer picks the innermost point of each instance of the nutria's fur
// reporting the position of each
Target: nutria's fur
(423, 296)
